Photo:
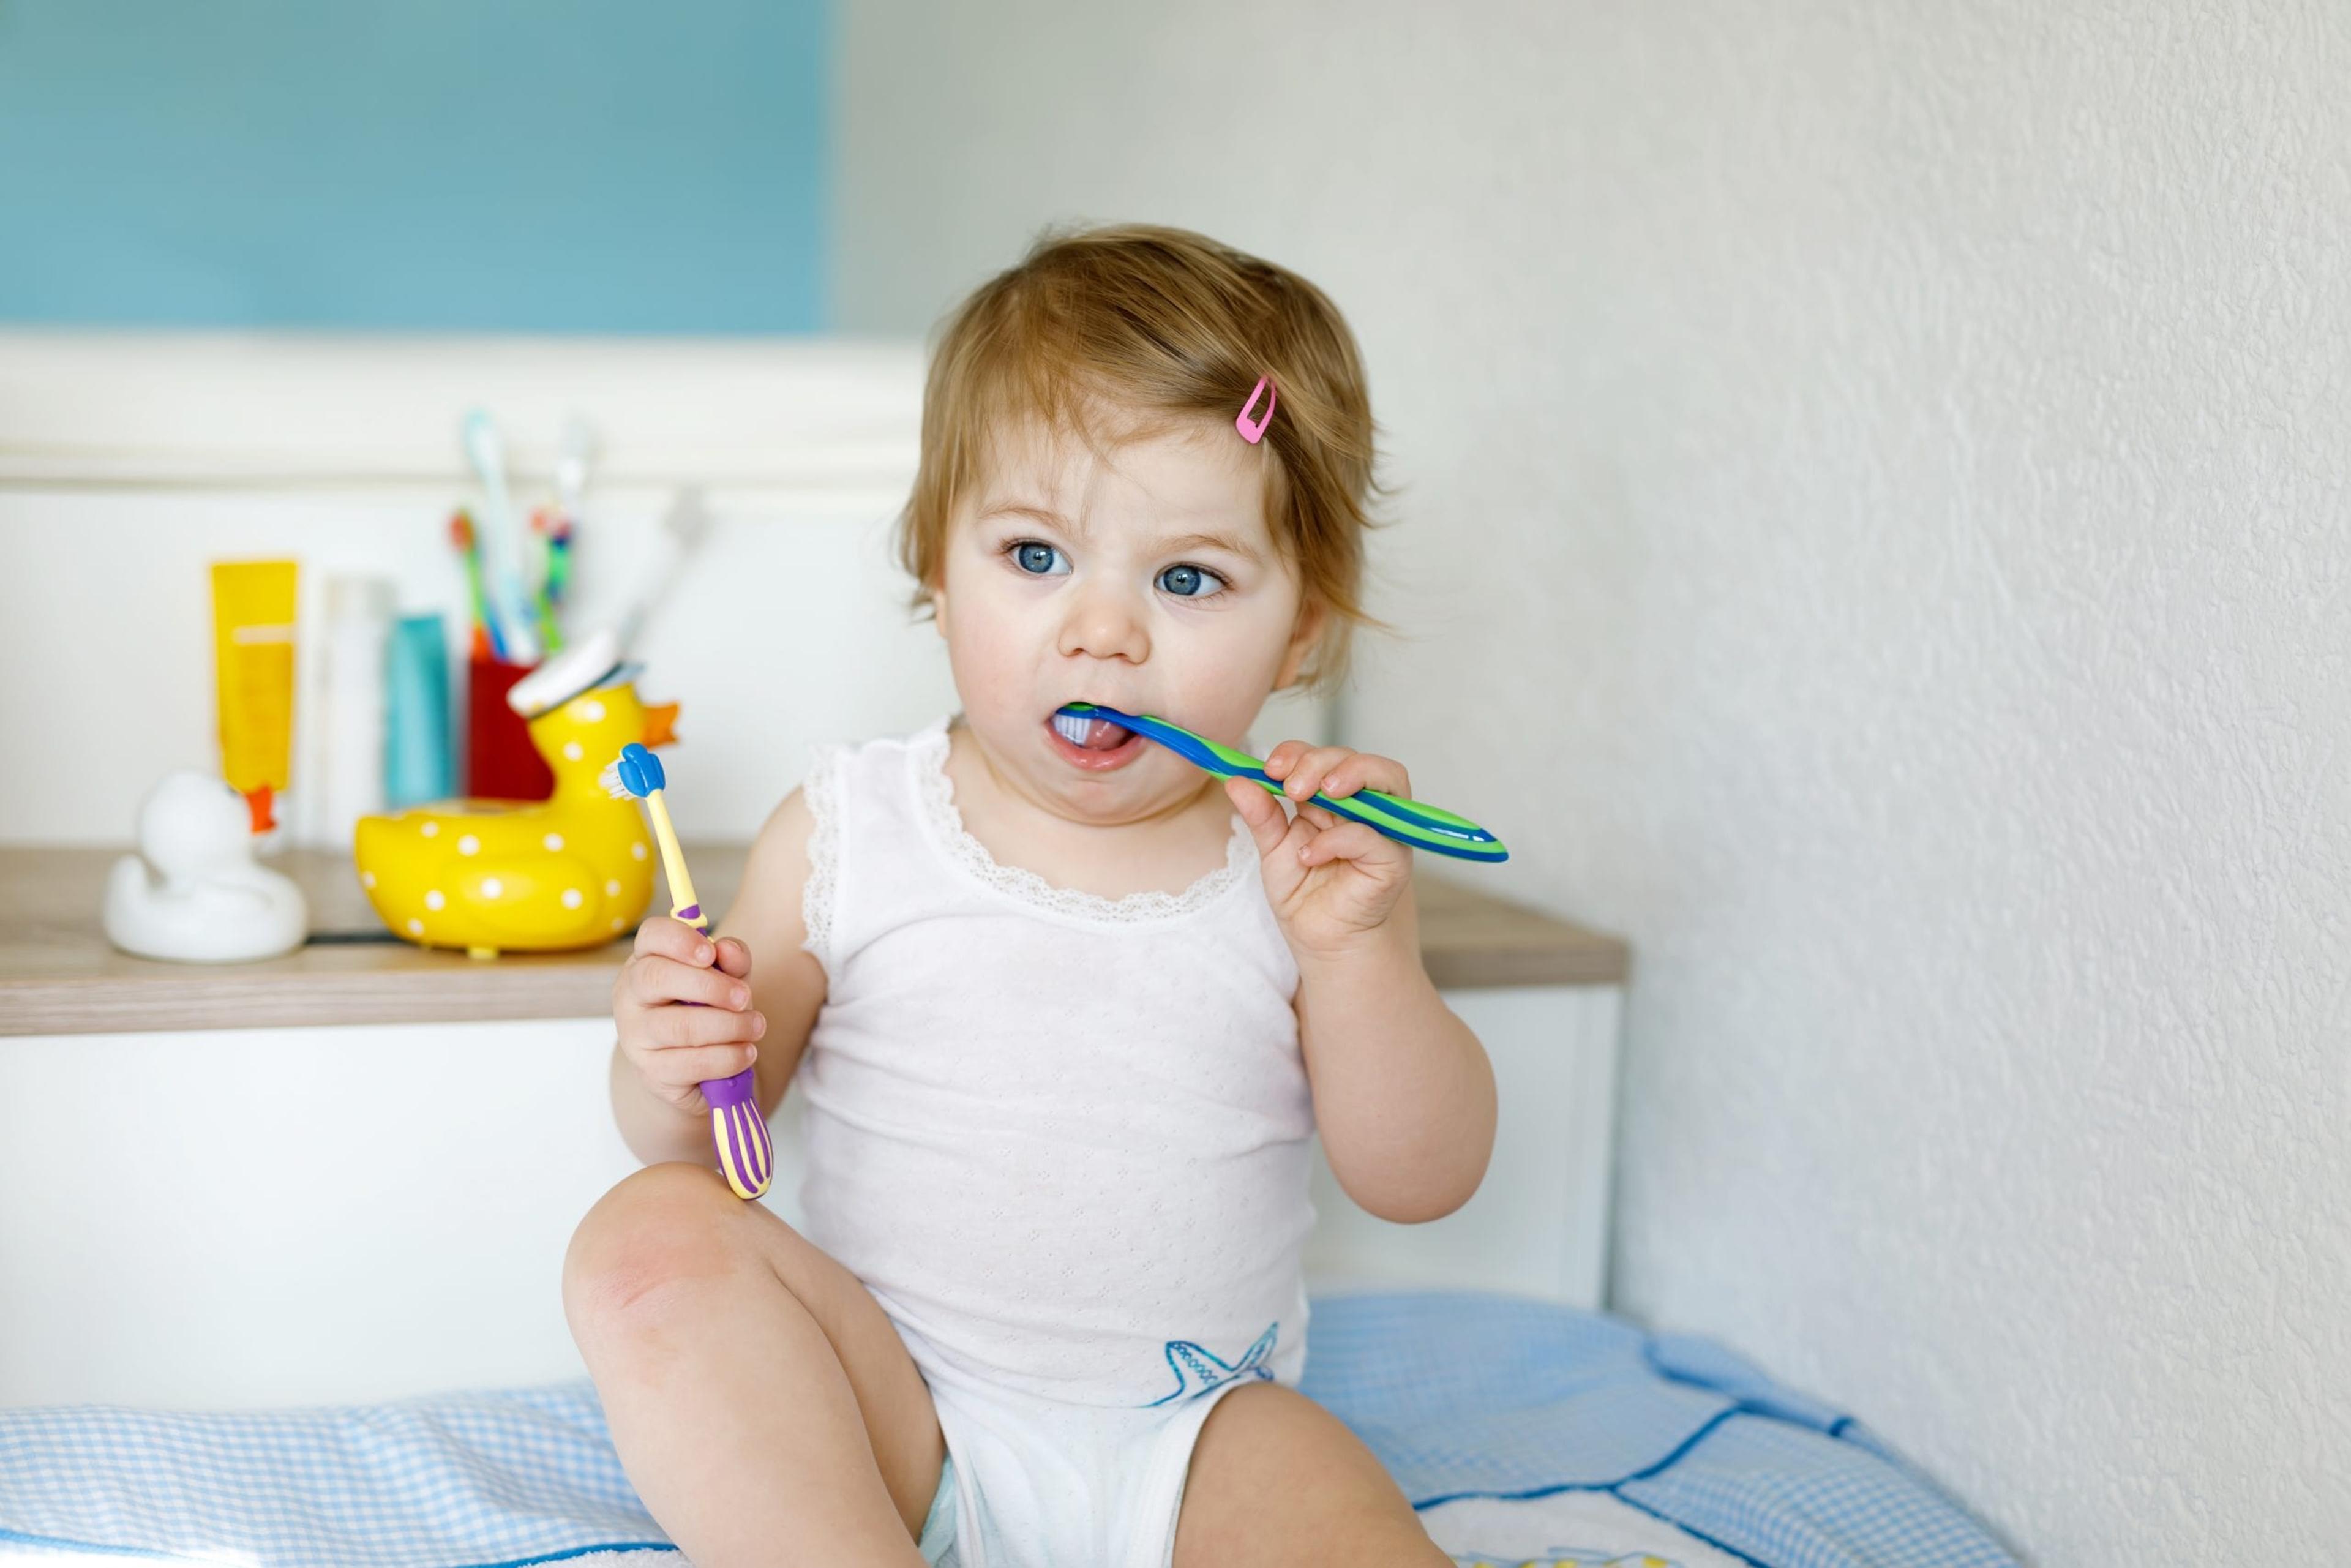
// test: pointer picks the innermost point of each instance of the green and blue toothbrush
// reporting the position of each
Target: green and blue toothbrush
(1406, 821)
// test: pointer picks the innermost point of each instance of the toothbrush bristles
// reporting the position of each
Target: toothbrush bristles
(611, 779)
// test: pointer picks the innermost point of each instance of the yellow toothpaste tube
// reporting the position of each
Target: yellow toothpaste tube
(253, 668)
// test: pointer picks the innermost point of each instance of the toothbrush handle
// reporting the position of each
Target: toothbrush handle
(746, 1151)
(1413, 823)
(683, 905)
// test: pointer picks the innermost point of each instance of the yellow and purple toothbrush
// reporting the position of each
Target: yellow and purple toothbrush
(747, 1154)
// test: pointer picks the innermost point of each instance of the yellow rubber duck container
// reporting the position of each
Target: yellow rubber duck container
(504, 876)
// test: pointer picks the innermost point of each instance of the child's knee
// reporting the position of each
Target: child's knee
(649, 1241)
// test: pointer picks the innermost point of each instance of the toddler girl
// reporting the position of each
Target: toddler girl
(1066, 1010)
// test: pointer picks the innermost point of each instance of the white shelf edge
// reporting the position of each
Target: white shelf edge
(833, 418)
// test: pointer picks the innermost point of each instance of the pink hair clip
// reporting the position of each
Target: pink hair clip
(1253, 434)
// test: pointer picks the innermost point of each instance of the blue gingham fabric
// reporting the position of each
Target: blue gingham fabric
(1461, 1394)
(1475, 1396)
(475, 1479)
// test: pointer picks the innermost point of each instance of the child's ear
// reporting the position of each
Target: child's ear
(1311, 618)
(939, 608)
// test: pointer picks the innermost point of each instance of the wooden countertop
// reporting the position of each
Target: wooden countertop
(59, 975)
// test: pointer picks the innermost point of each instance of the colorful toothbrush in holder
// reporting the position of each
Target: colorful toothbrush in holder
(747, 1154)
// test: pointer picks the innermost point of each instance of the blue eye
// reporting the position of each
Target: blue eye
(1190, 581)
(1042, 560)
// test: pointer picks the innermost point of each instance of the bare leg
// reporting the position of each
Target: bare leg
(1277, 1480)
(763, 1405)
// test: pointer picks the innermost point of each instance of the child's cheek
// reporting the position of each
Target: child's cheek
(1231, 684)
(991, 651)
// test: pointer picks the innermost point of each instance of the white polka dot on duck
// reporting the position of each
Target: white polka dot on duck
(435, 900)
(416, 928)
(469, 845)
(592, 711)
(553, 841)
(367, 879)
(571, 751)
(612, 888)
(637, 849)
(429, 828)
(492, 887)
(573, 898)
(618, 922)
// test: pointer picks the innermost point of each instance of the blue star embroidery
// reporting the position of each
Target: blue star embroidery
(1196, 1371)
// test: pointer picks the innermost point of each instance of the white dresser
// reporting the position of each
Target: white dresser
(351, 1173)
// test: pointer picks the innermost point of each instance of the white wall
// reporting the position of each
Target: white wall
(129, 461)
(1877, 536)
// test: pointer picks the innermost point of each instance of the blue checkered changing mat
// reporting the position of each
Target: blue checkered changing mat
(1461, 1395)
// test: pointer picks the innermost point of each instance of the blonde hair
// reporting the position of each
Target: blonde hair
(1163, 326)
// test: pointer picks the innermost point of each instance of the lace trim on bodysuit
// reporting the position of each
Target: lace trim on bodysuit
(819, 788)
(937, 795)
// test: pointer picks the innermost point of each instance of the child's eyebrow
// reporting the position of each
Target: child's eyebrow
(1231, 543)
(1023, 509)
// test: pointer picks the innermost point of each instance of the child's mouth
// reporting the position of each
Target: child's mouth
(1095, 744)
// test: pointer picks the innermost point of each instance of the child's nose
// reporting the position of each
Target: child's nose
(1104, 623)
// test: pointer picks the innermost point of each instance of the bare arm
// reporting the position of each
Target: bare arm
(1402, 1092)
(757, 1011)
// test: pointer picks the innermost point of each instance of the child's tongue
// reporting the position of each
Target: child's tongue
(1089, 734)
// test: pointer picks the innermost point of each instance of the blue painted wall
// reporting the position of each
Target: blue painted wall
(531, 166)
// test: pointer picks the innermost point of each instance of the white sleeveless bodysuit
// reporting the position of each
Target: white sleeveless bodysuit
(1063, 1139)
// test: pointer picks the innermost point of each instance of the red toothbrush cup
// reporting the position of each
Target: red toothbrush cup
(501, 764)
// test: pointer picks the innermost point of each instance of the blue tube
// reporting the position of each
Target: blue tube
(417, 765)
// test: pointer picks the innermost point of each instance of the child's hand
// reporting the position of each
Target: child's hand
(1331, 881)
(674, 1046)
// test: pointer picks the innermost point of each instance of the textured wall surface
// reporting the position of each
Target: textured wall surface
(1876, 533)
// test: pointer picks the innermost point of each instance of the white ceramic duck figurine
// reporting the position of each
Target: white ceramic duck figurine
(212, 904)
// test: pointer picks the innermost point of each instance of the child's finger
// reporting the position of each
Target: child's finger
(1347, 841)
(673, 1026)
(1282, 758)
(654, 982)
(1260, 810)
(1305, 778)
(700, 1063)
(1365, 771)
(670, 938)
(734, 958)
